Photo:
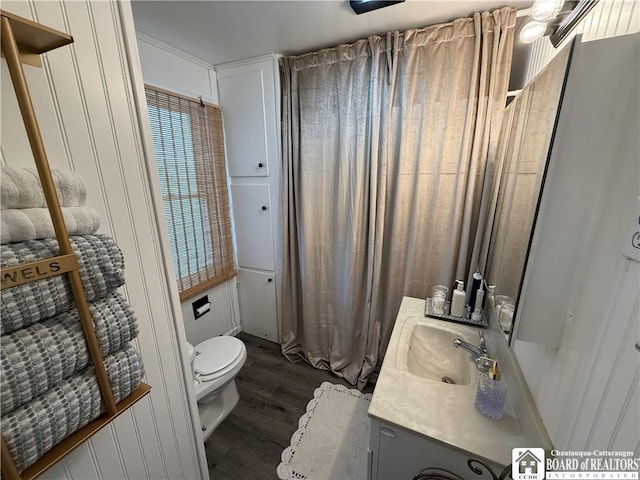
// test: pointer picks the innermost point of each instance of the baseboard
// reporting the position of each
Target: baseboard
(234, 331)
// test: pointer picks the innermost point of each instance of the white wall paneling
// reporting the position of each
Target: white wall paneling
(249, 96)
(258, 303)
(616, 416)
(252, 214)
(85, 98)
(580, 288)
(611, 18)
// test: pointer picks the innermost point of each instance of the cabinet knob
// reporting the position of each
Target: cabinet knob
(260, 165)
(269, 280)
(263, 208)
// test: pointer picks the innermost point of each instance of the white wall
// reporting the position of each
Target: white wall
(85, 100)
(165, 67)
(579, 283)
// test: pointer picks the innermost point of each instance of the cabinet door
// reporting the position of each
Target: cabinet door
(257, 292)
(243, 101)
(252, 218)
(402, 454)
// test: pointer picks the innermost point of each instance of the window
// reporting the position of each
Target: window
(189, 148)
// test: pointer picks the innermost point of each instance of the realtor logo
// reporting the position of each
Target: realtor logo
(527, 464)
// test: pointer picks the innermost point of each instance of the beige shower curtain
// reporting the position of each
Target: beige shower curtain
(385, 147)
(527, 127)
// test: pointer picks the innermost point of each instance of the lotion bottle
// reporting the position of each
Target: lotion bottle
(457, 300)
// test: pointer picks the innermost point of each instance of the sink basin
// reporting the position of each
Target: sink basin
(432, 356)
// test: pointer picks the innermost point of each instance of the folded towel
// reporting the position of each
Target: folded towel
(36, 358)
(101, 270)
(34, 428)
(20, 225)
(21, 188)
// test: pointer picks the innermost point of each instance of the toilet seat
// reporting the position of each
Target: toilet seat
(216, 356)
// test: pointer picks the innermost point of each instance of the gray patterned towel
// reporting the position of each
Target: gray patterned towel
(101, 269)
(34, 428)
(36, 358)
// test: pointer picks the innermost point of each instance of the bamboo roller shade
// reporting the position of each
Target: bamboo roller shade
(189, 145)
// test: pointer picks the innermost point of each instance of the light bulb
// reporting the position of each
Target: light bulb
(543, 10)
(532, 31)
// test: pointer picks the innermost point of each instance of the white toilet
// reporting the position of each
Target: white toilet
(215, 363)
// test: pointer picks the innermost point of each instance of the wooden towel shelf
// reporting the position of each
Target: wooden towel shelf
(22, 42)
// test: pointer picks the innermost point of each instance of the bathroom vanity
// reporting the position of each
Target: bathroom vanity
(419, 420)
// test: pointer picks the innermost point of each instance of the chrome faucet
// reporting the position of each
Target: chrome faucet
(479, 353)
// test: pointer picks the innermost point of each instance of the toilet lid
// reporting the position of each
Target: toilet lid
(216, 354)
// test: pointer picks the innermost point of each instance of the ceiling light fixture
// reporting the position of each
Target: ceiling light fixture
(532, 31)
(364, 6)
(543, 10)
(557, 18)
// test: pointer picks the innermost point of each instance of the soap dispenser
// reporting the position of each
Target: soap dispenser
(457, 300)
(491, 393)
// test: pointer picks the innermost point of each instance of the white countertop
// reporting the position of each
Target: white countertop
(443, 412)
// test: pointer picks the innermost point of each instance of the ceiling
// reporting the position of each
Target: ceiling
(224, 31)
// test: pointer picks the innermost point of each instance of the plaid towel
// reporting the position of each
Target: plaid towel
(34, 428)
(101, 269)
(36, 358)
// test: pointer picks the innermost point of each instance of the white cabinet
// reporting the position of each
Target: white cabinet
(396, 453)
(243, 93)
(258, 304)
(249, 97)
(252, 214)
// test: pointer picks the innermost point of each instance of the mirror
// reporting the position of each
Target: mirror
(525, 141)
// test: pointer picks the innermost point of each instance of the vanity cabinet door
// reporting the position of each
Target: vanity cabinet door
(401, 454)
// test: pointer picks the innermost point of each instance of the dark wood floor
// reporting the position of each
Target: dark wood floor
(273, 395)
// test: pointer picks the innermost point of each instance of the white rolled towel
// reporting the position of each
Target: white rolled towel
(19, 225)
(21, 188)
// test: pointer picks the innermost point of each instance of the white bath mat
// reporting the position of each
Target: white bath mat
(332, 437)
